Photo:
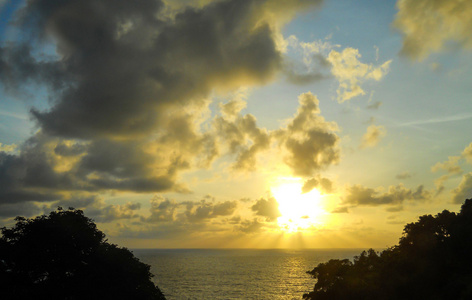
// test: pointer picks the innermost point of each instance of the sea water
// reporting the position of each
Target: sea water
(183, 274)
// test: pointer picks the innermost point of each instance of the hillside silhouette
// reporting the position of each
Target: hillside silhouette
(64, 256)
(433, 260)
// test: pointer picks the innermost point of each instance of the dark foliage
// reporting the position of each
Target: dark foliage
(433, 260)
(64, 256)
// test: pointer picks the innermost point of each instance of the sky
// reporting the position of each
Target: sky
(236, 123)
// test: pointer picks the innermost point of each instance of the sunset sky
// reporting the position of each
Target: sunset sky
(236, 123)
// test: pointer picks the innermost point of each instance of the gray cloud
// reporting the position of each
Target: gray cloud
(324, 184)
(297, 74)
(309, 140)
(267, 208)
(207, 210)
(25, 209)
(242, 136)
(162, 210)
(403, 175)
(396, 195)
(167, 210)
(126, 66)
(249, 227)
(127, 83)
(115, 212)
(374, 105)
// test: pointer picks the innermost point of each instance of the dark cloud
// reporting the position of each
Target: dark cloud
(24, 209)
(75, 149)
(127, 82)
(125, 65)
(80, 202)
(30, 177)
(396, 195)
(46, 167)
(267, 208)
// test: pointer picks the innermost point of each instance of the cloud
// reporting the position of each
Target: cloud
(340, 210)
(167, 210)
(250, 226)
(207, 210)
(323, 184)
(310, 141)
(241, 135)
(453, 118)
(314, 66)
(439, 183)
(467, 153)
(464, 190)
(373, 136)
(48, 169)
(299, 77)
(25, 209)
(450, 166)
(404, 175)
(394, 208)
(428, 26)
(361, 196)
(162, 209)
(374, 105)
(267, 208)
(115, 212)
(129, 85)
(350, 72)
(127, 64)
(7, 148)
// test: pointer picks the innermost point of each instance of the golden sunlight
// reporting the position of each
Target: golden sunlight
(298, 210)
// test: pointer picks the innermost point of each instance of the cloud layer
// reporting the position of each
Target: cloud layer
(129, 84)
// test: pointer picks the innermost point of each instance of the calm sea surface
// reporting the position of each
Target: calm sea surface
(236, 273)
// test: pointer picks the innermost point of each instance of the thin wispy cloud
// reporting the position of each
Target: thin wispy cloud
(453, 118)
(13, 115)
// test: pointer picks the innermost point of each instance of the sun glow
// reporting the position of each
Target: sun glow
(298, 210)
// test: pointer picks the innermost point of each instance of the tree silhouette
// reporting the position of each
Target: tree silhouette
(64, 256)
(433, 260)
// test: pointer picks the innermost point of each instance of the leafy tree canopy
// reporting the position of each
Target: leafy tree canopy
(433, 260)
(64, 256)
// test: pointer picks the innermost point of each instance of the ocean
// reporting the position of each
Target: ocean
(183, 274)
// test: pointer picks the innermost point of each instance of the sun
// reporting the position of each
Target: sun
(298, 210)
